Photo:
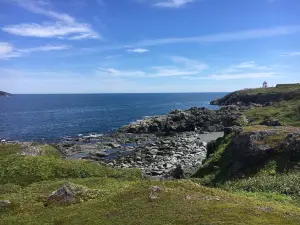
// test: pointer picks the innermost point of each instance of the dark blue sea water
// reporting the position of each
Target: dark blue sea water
(50, 117)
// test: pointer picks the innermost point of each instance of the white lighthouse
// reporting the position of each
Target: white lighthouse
(265, 84)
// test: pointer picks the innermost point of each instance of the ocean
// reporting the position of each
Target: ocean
(48, 118)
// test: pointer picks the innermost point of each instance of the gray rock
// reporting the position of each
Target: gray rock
(4, 204)
(154, 193)
(28, 148)
(67, 194)
(271, 123)
(114, 145)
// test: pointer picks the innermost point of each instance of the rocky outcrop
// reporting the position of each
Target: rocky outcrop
(249, 149)
(200, 119)
(245, 153)
(291, 145)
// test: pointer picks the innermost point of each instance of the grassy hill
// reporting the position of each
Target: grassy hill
(121, 196)
(261, 95)
(259, 159)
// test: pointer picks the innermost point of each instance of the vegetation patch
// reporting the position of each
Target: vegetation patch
(127, 202)
(287, 112)
(213, 168)
(23, 170)
(282, 183)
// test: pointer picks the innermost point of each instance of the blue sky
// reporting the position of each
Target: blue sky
(137, 46)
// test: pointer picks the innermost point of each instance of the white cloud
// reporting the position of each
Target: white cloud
(172, 3)
(8, 51)
(50, 30)
(249, 65)
(225, 37)
(36, 7)
(182, 67)
(64, 26)
(291, 54)
(236, 76)
(45, 48)
(137, 50)
(5, 48)
(243, 70)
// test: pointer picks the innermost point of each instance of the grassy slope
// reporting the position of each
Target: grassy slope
(287, 112)
(123, 197)
(24, 170)
(273, 90)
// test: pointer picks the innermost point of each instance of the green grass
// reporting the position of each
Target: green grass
(117, 196)
(23, 170)
(282, 183)
(126, 202)
(213, 169)
(272, 90)
(286, 112)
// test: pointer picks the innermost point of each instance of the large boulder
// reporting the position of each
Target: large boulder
(68, 194)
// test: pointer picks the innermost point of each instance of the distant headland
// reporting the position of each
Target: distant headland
(2, 93)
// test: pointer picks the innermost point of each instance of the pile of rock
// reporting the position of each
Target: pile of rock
(161, 157)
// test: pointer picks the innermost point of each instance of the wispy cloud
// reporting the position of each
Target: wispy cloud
(225, 37)
(100, 2)
(137, 50)
(243, 70)
(64, 26)
(183, 67)
(8, 51)
(291, 54)
(112, 56)
(236, 76)
(248, 65)
(172, 3)
(47, 30)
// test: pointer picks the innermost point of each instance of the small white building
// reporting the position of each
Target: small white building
(265, 84)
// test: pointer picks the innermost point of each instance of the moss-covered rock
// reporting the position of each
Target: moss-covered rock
(69, 194)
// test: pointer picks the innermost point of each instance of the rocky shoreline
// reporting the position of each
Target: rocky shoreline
(164, 146)
(172, 145)
(154, 155)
